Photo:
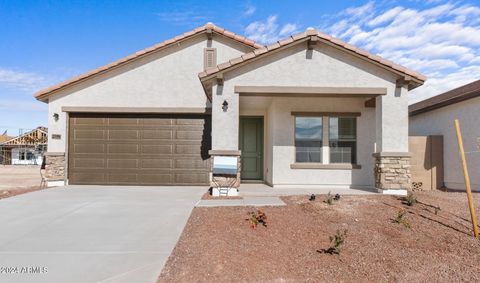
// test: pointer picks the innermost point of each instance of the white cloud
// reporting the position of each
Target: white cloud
(269, 31)
(249, 10)
(23, 81)
(440, 39)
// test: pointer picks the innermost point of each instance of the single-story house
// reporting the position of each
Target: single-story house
(25, 149)
(436, 116)
(306, 111)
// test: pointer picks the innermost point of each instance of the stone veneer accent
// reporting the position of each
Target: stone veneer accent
(392, 171)
(55, 166)
(222, 180)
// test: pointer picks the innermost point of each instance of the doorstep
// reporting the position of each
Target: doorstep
(246, 201)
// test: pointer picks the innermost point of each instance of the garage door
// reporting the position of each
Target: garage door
(136, 149)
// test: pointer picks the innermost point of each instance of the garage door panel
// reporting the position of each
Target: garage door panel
(123, 134)
(85, 178)
(140, 150)
(155, 122)
(94, 121)
(189, 135)
(157, 134)
(157, 149)
(191, 164)
(89, 148)
(119, 178)
(156, 163)
(89, 134)
(123, 122)
(122, 148)
(157, 178)
(89, 163)
(191, 178)
(122, 164)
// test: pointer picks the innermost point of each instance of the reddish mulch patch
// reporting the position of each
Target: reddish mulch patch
(17, 191)
(218, 244)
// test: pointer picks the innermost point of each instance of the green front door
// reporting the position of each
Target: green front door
(251, 145)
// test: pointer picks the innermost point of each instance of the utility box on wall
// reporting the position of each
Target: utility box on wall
(427, 162)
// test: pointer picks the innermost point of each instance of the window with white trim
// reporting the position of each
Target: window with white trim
(308, 139)
(326, 139)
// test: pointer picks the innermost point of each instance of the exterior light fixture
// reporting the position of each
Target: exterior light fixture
(55, 117)
(225, 106)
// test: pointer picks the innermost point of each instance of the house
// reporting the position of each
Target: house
(436, 116)
(25, 149)
(307, 111)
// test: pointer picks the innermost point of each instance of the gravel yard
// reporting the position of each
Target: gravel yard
(18, 179)
(218, 244)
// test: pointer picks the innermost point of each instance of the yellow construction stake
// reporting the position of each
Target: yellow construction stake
(467, 179)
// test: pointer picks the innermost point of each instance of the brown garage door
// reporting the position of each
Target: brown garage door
(111, 149)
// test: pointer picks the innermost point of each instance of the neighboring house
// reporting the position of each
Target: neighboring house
(307, 111)
(26, 149)
(436, 116)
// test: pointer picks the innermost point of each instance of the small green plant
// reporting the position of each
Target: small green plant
(401, 218)
(336, 243)
(257, 217)
(329, 200)
(410, 199)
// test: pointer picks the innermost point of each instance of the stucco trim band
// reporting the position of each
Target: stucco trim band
(310, 91)
(339, 166)
(328, 114)
(225, 152)
(392, 154)
(166, 110)
(54, 154)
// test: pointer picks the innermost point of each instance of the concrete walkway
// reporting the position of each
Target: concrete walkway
(92, 233)
(246, 201)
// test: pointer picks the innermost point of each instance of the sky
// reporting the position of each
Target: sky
(45, 42)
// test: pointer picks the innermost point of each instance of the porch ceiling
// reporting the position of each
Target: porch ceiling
(309, 91)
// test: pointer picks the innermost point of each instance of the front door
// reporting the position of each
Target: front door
(251, 145)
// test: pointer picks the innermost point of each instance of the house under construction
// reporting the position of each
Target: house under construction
(25, 149)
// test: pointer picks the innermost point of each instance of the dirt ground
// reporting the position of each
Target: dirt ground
(18, 179)
(218, 244)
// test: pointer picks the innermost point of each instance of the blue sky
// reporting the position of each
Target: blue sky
(45, 42)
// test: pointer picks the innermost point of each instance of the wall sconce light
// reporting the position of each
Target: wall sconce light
(225, 106)
(55, 117)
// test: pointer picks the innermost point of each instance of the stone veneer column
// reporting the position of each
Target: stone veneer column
(55, 166)
(392, 172)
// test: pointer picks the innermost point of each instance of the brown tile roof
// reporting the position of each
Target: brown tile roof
(309, 33)
(44, 93)
(450, 97)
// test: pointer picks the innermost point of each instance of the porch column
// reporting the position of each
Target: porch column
(225, 123)
(392, 159)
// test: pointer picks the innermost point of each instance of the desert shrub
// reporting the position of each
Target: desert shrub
(336, 243)
(257, 217)
(410, 199)
(329, 199)
(401, 218)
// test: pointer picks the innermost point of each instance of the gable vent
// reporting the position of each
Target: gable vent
(210, 58)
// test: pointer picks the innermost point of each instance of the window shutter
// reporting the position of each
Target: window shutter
(210, 58)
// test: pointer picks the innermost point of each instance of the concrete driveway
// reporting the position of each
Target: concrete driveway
(92, 233)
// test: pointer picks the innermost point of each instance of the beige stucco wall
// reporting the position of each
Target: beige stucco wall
(384, 128)
(168, 78)
(441, 122)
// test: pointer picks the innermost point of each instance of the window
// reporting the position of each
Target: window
(308, 139)
(343, 139)
(326, 138)
(30, 155)
(21, 155)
